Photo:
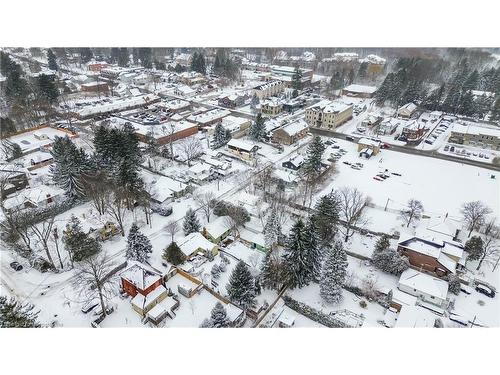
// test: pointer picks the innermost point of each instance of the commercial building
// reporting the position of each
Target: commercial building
(291, 133)
(328, 114)
(475, 136)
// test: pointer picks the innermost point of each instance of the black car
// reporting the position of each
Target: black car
(485, 290)
(16, 266)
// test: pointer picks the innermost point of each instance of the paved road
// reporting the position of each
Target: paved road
(411, 150)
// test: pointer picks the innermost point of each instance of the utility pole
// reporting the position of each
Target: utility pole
(386, 203)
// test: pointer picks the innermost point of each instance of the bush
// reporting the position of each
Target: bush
(453, 284)
(390, 261)
(161, 210)
(313, 314)
(363, 304)
(174, 255)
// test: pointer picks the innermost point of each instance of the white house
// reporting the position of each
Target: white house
(427, 288)
(200, 172)
(407, 110)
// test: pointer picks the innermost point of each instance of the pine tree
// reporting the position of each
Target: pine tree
(79, 244)
(387, 259)
(70, 163)
(52, 62)
(257, 129)
(114, 55)
(325, 216)
(123, 57)
(138, 245)
(312, 164)
(14, 314)
(333, 274)
(191, 223)
(298, 270)
(467, 106)
(272, 271)
(272, 230)
(48, 88)
(474, 247)
(218, 318)
(314, 250)
(241, 287)
(297, 79)
(174, 255)
(220, 137)
(85, 55)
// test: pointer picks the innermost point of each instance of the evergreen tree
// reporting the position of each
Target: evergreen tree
(14, 314)
(221, 136)
(198, 63)
(362, 70)
(387, 259)
(218, 318)
(298, 270)
(123, 57)
(257, 129)
(297, 79)
(254, 102)
(79, 244)
(333, 274)
(48, 88)
(467, 105)
(272, 274)
(474, 247)
(52, 62)
(138, 245)
(70, 163)
(495, 112)
(315, 150)
(174, 255)
(146, 57)
(85, 55)
(241, 287)
(314, 250)
(191, 223)
(114, 55)
(272, 230)
(325, 216)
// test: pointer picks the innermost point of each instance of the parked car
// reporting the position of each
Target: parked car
(446, 148)
(459, 319)
(385, 145)
(485, 290)
(349, 138)
(16, 266)
(89, 306)
(378, 178)
(452, 148)
(466, 289)
(396, 174)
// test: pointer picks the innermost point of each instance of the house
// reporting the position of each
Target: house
(359, 91)
(271, 88)
(427, 288)
(294, 163)
(286, 321)
(271, 106)
(286, 74)
(400, 299)
(253, 239)
(476, 136)
(12, 181)
(292, 105)
(142, 304)
(98, 87)
(439, 257)
(210, 117)
(407, 111)
(139, 278)
(165, 133)
(388, 126)
(236, 125)
(218, 229)
(232, 101)
(328, 115)
(97, 66)
(200, 172)
(40, 196)
(413, 131)
(291, 133)
(184, 91)
(195, 243)
(415, 317)
(445, 226)
(368, 147)
(242, 149)
(163, 309)
(192, 78)
(164, 189)
(289, 178)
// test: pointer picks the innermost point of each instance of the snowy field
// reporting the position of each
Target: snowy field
(442, 186)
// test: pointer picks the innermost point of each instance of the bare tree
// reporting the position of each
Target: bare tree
(491, 247)
(206, 202)
(172, 228)
(42, 231)
(117, 208)
(92, 279)
(97, 187)
(352, 207)
(413, 211)
(474, 214)
(191, 148)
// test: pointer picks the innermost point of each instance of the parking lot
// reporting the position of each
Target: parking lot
(150, 116)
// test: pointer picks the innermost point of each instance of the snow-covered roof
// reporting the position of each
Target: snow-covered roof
(361, 89)
(117, 105)
(286, 176)
(410, 107)
(295, 127)
(374, 59)
(241, 144)
(209, 116)
(233, 312)
(175, 104)
(163, 187)
(140, 275)
(475, 130)
(369, 142)
(415, 317)
(194, 242)
(403, 298)
(164, 306)
(287, 319)
(424, 283)
(164, 130)
(444, 225)
(328, 106)
(34, 195)
(447, 262)
(219, 226)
